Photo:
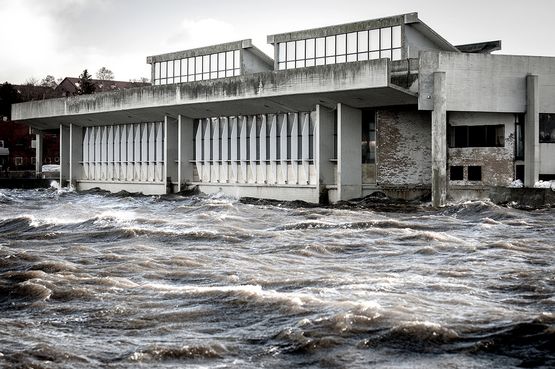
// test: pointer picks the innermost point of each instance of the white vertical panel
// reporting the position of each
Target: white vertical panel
(92, 148)
(243, 148)
(144, 151)
(305, 131)
(160, 152)
(207, 158)
(117, 153)
(252, 149)
(151, 151)
(272, 119)
(97, 153)
(109, 152)
(199, 148)
(123, 151)
(224, 128)
(282, 126)
(86, 153)
(130, 152)
(216, 150)
(263, 153)
(137, 152)
(104, 153)
(233, 123)
(294, 148)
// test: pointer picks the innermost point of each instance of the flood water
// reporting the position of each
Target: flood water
(115, 281)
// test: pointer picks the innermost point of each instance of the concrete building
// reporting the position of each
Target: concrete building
(340, 112)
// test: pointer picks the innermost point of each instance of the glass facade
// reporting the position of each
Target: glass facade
(341, 48)
(198, 68)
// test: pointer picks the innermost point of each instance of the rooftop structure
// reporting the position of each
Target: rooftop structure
(340, 112)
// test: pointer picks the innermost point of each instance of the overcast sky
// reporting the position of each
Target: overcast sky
(63, 37)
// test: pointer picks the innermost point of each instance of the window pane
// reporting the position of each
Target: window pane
(310, 48)
(291, 50)
(221, 61)
(385, 38)
(206, 63)
(236, 59)
(396, 54)
(198, 65)
(362, 56)
(374, 39)
(362, 41)
(221, 73)
(385, 54)
(340, 59)
(228, 61)
(237, 72)
(320, 47)
(299, 64)
(352, 57)
(281, 66)
(310, 62)
(300, 50)
(157, 70)
(330, 46)
(163, 70)
(177, 68)
(341, 44)
(191, 69)
(214, 63)
(170, 68)
(396, 36)
(281, 52)
(374, 55)
(351, 43)
(330, 60)
(320, 61)
(183, 67)
(290, 65)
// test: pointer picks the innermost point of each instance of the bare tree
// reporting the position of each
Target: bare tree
(104, 74)
(32, 81)
(48, 81)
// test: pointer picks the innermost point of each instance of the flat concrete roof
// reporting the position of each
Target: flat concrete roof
(357, 84)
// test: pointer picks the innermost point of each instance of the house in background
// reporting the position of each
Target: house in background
(340, 112)
(69, 86)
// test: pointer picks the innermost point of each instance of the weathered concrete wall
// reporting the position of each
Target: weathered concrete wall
(547, 158)
(252, 63)
(404, 152)
(496, 162)
(484, 82)
(417, 42)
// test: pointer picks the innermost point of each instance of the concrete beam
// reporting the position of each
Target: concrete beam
(531, 131)
(349, 152)
(439, 141)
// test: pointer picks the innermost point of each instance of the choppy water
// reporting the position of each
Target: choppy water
(97, 280)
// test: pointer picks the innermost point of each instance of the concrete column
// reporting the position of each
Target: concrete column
(65, 142)
(38, 153)
(75, 154)
(439, 142)
(323, 146)
(531, 132)
(185, 151)
(349, 152)
(171, 152)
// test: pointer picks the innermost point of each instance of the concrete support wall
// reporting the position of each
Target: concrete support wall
(171, 147)
(185, 151)
(75, 154)
(349, 152)
(439, 141)
(65, 143)
(38, 153)
(532, 132)
(324, 143)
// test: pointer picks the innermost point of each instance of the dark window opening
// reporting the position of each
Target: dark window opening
(477, 136)
(519, 172)
(456, 173)
(547, 128)
(519, 137)
(546, 177)
(474, 173)
(368, 137)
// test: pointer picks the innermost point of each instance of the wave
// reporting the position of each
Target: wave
(185, 352)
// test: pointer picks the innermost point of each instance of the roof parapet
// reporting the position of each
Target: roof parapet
(484, 47)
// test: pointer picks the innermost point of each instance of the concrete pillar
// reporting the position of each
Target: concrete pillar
(171, 152)
(65, 139)
(75, 154)
(439, 142)
(349, 152)
(185, 151)
(38, 153)
(531, 132)
(323, 147)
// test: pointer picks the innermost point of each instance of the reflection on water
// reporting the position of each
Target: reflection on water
(99, 280)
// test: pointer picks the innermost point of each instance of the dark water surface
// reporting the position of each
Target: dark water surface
(97, 280)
